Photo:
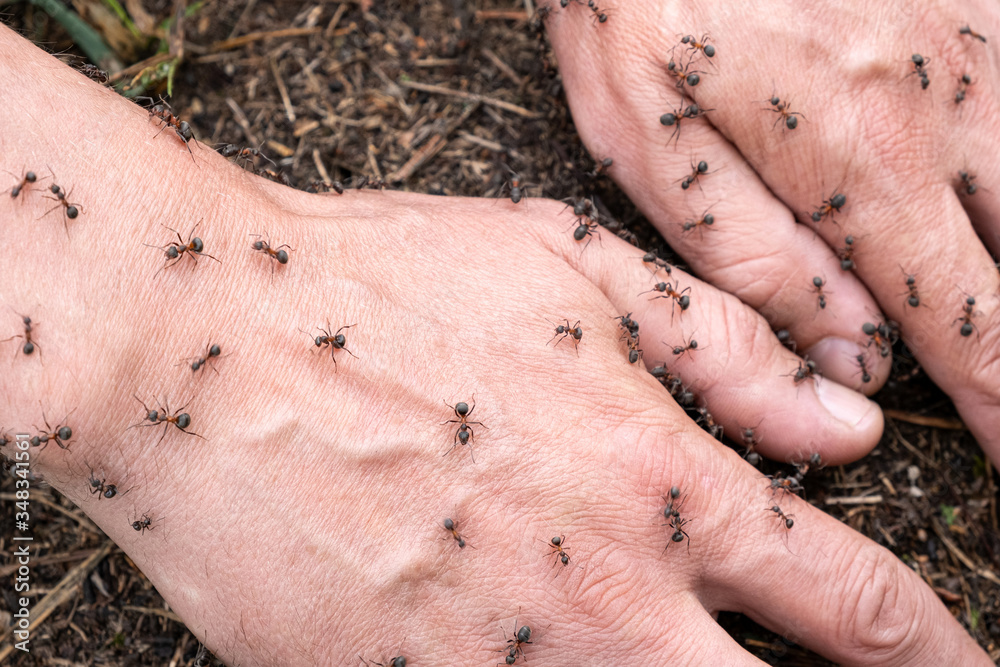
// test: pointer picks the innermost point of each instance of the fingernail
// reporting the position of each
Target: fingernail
(844, 404)
(836, 356)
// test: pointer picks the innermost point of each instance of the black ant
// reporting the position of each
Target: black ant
(70, 211)
(61, 435)
(705, 221)
(213, 351)
(699, 45)
(464, 434)
(863, 368)
(559, 550)
(834, 203)
(697, 170)
(398, 661)
(966, 30)
(709, 424)
(818, 284)
(336, 341)
(651, 258)
(846, 254)
(163, 113)
(919, 68)
(786, 518)
(515, 646)
(913, 298)
(963, 85)
(674, 118)
(968, 312)
(278, 254)
(966, 184)
(586, 227)
(598, 16)
(574, 333)
(805, 370)
(29, 344)
(750, 442)
(246, 155)
(142, 524)
(673, 516)
(689, 345)
(513, 187)
(179, 418)
(98, 486)
(786, 116)
(449, 525)
(882, 336)
(602, 167)
(26, 179)
(176, 251)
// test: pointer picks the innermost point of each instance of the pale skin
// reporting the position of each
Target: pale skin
(307, 527)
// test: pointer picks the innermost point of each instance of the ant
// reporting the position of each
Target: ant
(97, 486)
(673, 516)
(697, 170)
(634, 353)
(276, 176)
(786, 518)
(674, 118)
(513, 187)
(804, 371)
(274, 254)
(142, 524)
(966, 30)
(26, 179)
(574, 332)
(70, 211)
(587, 227)
(398, 661)
(247, 155)
(681, 298)
(61, 435)
(699, 45)
(705, 221)
(559, 550)
(651, 258)
(336, 341)
(785, 115)
(515, 646)
(365, 182)
(919, 65)
(689, 345)
(682, 76)
(846, 254)
(882, 336)
(598, 16)
(180, 419)
(175, 251)
(29, 344)
(967, 178)
(94, 73)
(163, 113)
(968, 312)
(214, 350)
(464, 434)
(708, 422)
(629, 326)
(834, 203)
(449, 525)
(818, 284)
(750, 442)
(863, 368)
(336, 186)
(784, 337)
(601, 168)
(913, 300)
(779, 484)
(963, 85)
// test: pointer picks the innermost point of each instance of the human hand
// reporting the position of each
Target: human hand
(867, 130)
(306, 527)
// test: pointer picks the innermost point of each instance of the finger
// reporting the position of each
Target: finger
(823, 585)
(738, 367)
(753, 247)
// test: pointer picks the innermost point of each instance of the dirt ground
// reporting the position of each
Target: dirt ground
(438, 97)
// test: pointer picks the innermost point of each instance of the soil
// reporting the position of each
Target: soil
(447, 98)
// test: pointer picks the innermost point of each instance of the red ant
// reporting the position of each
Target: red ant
(834, 203)
(750, 443)
(705, 221)
(651, 258)
(368, 182)
(805, 370)
(634, 353)
(709, 424)
(680, 298)
(882, 336)
(919, 68)
(863, 368)
(674, 118)
(846, 254)
(142, 524)
(913, 298)
(449, 525)
(784, 337)
(779, 484)
(515, 646)
(98, 486)
(336, 341)
(513, 187)
(598, 16)
(682, 77)
(275, 254)
(336, 186)
(689, 345)
(628, 326)
(966, 30)
(587, 227)
(699, 45)
(574, 333)
(26, 179)
(602, 167)
(968, 312)
(175, 251)
(214, 350)
(163, 113)
(29, 344)
(697, 170)
(785, 114)
(70, 211)
(672, 514)
(180, 419)
(559, 550)
(464, 434)
(786, 518)
(247, 155)
(963, 85)
(61, 435)
(818, 284)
